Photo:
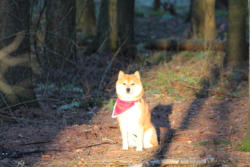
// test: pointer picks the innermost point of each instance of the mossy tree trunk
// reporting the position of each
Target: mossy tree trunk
(203, 19)
(85, 17)
(236, 47)
(15, 57)
(115, 25)
(246, 141)
(60, 35)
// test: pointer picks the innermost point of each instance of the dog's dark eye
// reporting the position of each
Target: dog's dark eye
(124, 83)
(132, 84)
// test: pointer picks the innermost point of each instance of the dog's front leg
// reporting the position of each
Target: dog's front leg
(124, 133)
(139, 144)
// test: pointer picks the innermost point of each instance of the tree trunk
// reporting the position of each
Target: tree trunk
(188, 19)
(126, 28)
(157, 4)
(246, 141)
(101, 40)
(15, 60)
(236, 32)
(115, 26)
(85, 16)
(60, 34)
(203, 19)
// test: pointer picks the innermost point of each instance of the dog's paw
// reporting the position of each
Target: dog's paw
(148, 145)
(125, 147)
(138, 148)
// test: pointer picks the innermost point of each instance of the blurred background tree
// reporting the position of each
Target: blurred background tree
(246, 141)
(203, 19)
(115, 25)
(85, 17)
(157, 4)
(236, 43)
(125, 16)
(15, 61)
(60, 37)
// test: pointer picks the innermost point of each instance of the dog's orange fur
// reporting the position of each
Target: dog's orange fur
(142, 122)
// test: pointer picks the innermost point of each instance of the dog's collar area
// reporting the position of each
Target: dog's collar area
(126, 102)
(122, 106)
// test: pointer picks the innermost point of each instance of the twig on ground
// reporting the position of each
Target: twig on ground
(8, 117)
(163, 162)
(94, 145)
(26, 102)
(21, 120)
(19, 154)
(11, 116)
(5, 102)
(38, 142)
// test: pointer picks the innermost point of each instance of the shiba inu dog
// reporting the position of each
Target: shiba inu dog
(133, 114)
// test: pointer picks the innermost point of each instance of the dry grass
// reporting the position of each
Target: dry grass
(193, 75)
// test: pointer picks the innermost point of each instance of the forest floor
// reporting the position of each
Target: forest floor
(191, 127)
(194, 130)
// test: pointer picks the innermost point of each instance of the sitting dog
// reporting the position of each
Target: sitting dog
(133, 114)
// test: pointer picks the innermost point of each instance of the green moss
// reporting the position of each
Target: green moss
(158, 57)
(215, 141)
(71, 87)
(69, 106)
(160, 13)
(147, 85)
(202, 143)
(139, 14)
(153, 92)
(245, 146)
(221, 13)
(91, 102)
(187, 74)
(109, 105)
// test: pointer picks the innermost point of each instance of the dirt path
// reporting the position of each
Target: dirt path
(195, 129)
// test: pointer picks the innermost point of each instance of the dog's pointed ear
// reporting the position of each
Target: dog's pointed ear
(121, 74)
(137, 74)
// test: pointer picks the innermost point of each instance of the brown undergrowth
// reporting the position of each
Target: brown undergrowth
(209, 120)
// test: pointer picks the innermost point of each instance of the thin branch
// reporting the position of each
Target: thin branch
(37, 142)
(19, 154)
(27, 102)
(38, 24)
(12, 116)
(109, 65)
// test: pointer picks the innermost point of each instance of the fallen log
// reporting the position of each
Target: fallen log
(184, 44)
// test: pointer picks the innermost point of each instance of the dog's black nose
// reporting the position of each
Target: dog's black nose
(128, 90)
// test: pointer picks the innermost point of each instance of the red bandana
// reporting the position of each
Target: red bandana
(122, 106)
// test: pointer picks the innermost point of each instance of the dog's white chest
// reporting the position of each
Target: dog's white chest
(131, 117)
